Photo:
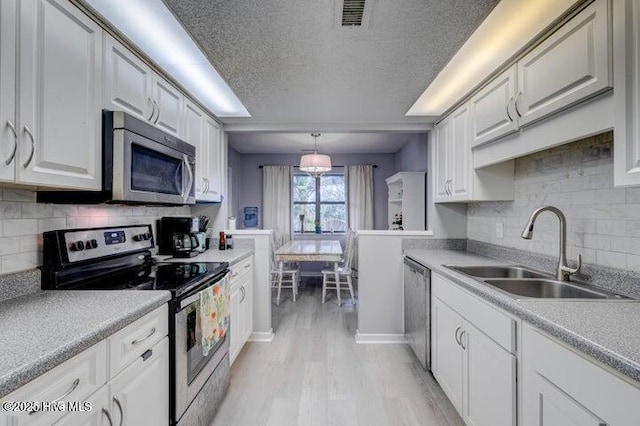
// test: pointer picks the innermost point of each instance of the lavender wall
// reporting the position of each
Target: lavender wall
(234, 162)
(249, 181)
(413, 157)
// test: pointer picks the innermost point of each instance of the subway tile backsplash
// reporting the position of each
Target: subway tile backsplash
(22, 222)
(603, 221)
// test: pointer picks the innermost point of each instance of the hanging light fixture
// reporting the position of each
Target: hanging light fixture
(315, 164)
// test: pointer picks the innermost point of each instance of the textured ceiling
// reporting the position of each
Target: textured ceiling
(328, 143)
(291, 63)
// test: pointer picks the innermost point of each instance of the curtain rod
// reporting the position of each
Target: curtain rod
(375, 166)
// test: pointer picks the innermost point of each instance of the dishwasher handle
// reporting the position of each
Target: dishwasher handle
(415, 266)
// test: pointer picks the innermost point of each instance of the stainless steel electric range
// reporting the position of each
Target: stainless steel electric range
(119, 258)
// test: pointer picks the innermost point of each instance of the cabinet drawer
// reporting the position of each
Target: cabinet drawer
(73, 380)
(241, 270)
(132, 341)
(556, 376)
(486, 318)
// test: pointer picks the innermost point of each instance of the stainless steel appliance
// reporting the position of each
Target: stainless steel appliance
(179, 236)
(141, 164)
(417, 310)
(118, 258)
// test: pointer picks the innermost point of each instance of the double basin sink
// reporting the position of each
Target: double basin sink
(523, 283)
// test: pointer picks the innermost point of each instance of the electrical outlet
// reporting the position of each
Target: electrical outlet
(499, 230)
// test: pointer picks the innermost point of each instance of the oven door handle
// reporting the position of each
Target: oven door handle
(187, 188)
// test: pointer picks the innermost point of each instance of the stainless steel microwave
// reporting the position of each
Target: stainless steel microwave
(141, 164)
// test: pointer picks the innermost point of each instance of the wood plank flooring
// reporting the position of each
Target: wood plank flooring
(314, 373)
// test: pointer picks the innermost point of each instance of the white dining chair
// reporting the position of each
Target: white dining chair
(343, 270)
(284, 275)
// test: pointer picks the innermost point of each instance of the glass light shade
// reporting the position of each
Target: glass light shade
(315, 163)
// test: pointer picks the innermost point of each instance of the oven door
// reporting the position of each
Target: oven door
(192, 369)
(149, 172)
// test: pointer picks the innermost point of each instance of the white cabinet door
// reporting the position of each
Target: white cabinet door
(127, 81)
(246, 306)
(235, 336)
(60, 59)
(8, 135)
(194, 134)
(626, 155)
(492, 113)
(490, 380)
(447, 353)
(460, 161)
(441, 160)
(553, 407)
(170, 105)
(140, 393)
(214, 136)
(569, 66)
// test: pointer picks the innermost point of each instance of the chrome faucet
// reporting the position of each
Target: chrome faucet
(563, 271)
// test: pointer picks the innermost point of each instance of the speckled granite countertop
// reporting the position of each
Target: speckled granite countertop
(232, 256)
(40, 331)
(607, 330)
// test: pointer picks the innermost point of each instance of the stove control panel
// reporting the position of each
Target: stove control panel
(89, 244)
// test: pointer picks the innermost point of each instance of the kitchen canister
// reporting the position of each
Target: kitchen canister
(232, 223)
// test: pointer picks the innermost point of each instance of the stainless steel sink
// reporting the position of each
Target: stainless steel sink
(549, 289)
(523, 283)
(498, 272)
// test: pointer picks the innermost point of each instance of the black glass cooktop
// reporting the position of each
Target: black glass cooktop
(178, 278)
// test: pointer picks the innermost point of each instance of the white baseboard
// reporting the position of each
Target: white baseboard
(261, 336)
(370, 338)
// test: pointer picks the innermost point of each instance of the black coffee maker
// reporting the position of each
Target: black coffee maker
(178, 236)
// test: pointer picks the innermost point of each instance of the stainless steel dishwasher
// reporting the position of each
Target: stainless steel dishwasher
(417, 309)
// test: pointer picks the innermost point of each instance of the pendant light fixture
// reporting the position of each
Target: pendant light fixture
(315, 164)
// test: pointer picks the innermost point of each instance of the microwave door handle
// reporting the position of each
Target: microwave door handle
(190, 177)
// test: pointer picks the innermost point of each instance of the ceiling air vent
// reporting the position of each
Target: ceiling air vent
(352, 13)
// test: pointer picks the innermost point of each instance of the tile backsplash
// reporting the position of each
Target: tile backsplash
(22, 222)
(603, 221)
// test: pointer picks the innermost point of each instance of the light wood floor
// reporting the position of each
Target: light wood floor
(313, 373)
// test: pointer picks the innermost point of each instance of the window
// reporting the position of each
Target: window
(319, 201)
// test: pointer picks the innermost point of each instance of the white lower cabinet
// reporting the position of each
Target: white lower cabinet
(241, 305)
(476, 373)
(133, 394)
(140, 393)
(563, 388)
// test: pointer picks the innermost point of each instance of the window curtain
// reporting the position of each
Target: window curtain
(276, 201)
(360, 195)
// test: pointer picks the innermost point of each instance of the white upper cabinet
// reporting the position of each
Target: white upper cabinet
(567, 67)
(59, 128)
(493, 113)
(170, 106)
(132, 86)
(194, 134)
(127, 81)
(626, 18)
(8, 134)
(214, 137)
(455, 178)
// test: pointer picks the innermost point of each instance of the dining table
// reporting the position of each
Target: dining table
(311, 251)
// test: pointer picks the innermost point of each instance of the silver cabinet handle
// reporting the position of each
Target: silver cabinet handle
(33, 145)
(137, 341)
(158, 113)
(153, 108)
(446, 187)
(457, 331)
(190, 173)
(15, 142)
(515, 104)
(247, 266)
(462, 333)
(106, 413)
(117, 401)
(243, 294)
(73, 387)
(508, 114)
